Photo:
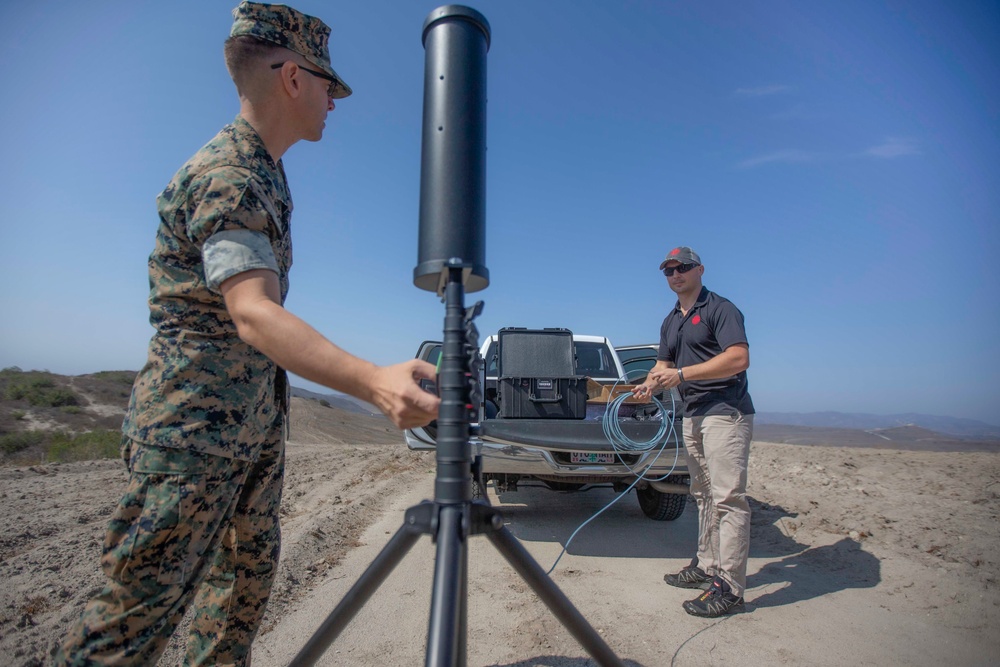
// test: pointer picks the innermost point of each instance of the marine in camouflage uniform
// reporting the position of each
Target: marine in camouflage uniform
(204, 433)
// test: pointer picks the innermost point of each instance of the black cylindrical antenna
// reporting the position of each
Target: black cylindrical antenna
(453, 152)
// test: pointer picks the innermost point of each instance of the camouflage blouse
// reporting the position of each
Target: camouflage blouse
(202, 387)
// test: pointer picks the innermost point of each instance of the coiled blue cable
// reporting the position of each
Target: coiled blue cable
(621, 442)
(612, 428)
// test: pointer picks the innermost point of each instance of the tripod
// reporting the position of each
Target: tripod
(450, 519)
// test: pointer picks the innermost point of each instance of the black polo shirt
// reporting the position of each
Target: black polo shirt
(712, 325)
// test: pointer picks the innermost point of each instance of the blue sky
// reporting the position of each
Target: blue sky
(834, 163)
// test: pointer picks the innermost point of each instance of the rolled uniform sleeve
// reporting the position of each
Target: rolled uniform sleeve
(231, 252)
(235, 223)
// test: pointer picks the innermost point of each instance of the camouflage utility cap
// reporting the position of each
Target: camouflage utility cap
(280, 24)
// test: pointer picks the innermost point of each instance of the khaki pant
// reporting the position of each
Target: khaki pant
(189, 527)
(718, 449)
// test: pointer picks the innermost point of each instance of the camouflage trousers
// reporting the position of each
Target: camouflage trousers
(189, 528)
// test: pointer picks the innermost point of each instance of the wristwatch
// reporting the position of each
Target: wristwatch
(680, 374)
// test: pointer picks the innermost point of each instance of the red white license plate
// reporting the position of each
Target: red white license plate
(591, 457)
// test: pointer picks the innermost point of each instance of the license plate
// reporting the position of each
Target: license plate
(591, 457)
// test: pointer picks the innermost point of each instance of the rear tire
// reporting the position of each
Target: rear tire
(662, 506)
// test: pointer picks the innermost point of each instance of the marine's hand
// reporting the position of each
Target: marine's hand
(396, 392)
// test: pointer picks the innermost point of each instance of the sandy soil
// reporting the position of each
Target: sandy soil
(858, 557)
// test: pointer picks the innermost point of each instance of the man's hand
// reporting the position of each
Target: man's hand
(644, 390)
(656, 378)
(396, 392)
(664, 377)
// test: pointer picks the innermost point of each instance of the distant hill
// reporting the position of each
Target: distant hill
(900, 437)
(39, 400)
(313, 422)
(952, 426)
(39, 410)
(46, 416)
(955, 426)
(342, 401)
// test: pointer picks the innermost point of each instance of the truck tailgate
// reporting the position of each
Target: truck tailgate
(565, 434)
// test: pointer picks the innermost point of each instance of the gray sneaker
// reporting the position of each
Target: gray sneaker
(717, 600)
(691, 576)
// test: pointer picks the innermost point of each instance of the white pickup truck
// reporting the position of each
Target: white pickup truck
(570, 454)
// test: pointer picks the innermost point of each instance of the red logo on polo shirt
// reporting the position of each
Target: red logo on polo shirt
(696, 319)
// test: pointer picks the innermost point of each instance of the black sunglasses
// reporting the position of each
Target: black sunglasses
(680, 268)
(331, 90)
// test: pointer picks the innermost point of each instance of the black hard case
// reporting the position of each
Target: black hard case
(537, 374)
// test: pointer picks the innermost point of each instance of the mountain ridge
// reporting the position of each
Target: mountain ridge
(40, 400)
(960, 427)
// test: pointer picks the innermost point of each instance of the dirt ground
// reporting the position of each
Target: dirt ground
(866, 557)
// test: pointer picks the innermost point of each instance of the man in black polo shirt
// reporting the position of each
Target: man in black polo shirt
(704, 352)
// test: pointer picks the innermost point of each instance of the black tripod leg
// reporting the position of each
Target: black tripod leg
(363, 588)
(463, 621)
(447, 604)
(554, 599)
